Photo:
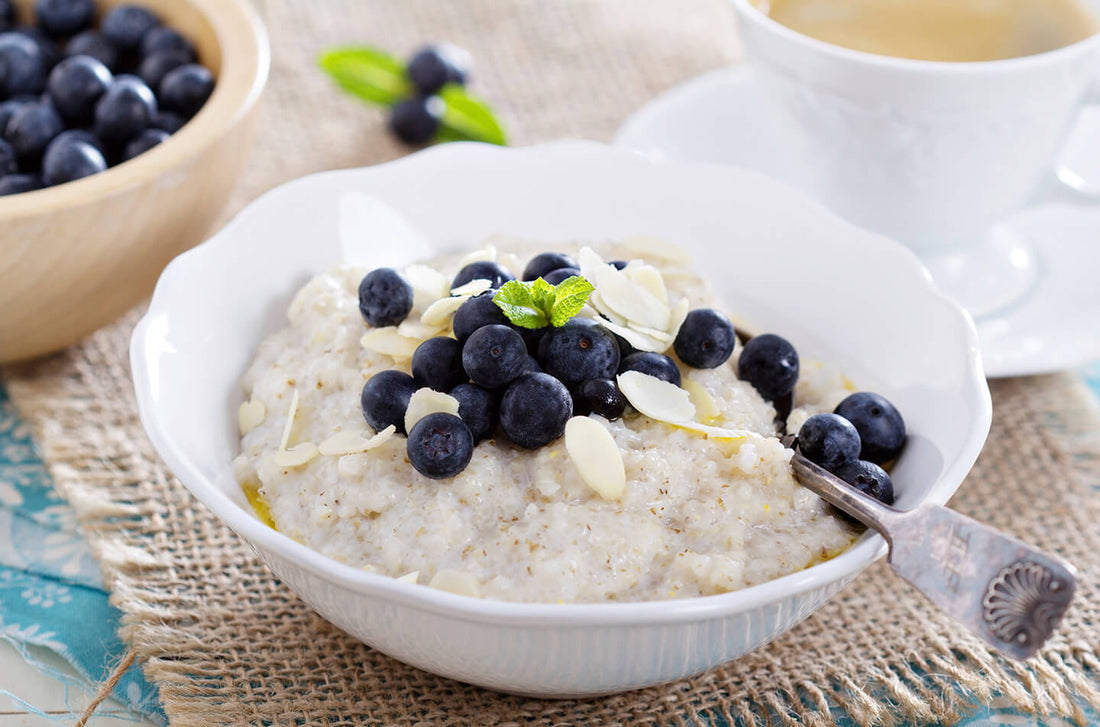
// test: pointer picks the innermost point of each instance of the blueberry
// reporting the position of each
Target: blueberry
(654, 364)
(440, 446)
(143, 142)
(415, 120)
(31, 128)
(166, 121)
(828, 440)
(64, 17)
(19, 183)
(494, 355)
(770, 364)
(9, 107)
(186, 88)
(556, 277)
(625, 347)
(478, 311)
(534, 410)
(437, 364)
(483, 270)
(618, 264)
(51, 54)
(879, 423)
(69, 160)
(162, 39)
(479, 408)
(579, 350)
(706, 339)
(22, 65)
(156, 66)
(127, 25)
(434, 66)
(385, 298)
(531, 365)
(599, 396)
(95, 44)
(868, 478)
(385, 398)
(8, 164)
(82, 135)
(125, 110)
(7, 15)
(546, 262)
(75, 85)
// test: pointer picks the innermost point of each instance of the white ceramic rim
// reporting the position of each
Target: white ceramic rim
(265, 540)
(748, 11)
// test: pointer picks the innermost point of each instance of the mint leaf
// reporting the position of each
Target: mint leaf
(543, 294)
(569, 297)
(468, 118)
(367, 73)
(519, 305)
(537, 303)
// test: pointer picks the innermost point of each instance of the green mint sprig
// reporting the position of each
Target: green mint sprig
(537, 303)
(377, 77)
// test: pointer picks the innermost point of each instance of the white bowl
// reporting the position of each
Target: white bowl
(781, 262)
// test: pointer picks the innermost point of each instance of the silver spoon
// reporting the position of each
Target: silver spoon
(1005, 591)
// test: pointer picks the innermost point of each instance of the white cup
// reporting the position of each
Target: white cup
(930, 153)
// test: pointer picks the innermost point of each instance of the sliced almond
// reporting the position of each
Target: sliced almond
(388, 341)
(297, 455)
(590, 263)
(650, 247)
(417, 330)
(354, 442)
(412, 577)
(474, 287)
(455, 581)
(440, 312)
(428, 401)
(638, 340)
(655, 398)
(653, 333)
(597, 456)
(488, 252)
(677, 314)
(649, 278)
(250, 415)
(630, 300)
(291, 412)
(706, 408)
(428, 284)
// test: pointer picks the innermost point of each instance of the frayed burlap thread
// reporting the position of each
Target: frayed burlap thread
(228, 644)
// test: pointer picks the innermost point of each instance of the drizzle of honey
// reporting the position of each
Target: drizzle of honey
(259, 506)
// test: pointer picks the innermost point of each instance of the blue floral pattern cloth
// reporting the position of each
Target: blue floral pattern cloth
(51, 595)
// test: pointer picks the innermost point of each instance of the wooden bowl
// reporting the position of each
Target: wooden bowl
(76, 256)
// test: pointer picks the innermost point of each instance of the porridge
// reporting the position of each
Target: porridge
(607, 477)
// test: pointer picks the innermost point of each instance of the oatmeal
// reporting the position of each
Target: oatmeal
(675, 484)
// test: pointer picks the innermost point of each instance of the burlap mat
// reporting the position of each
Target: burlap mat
(228, 644)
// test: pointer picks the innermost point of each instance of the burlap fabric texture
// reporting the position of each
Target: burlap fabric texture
(229, 645)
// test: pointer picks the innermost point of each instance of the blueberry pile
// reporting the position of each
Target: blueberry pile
(416, 120)
(528, 382)
(863, 433)
(76, 99)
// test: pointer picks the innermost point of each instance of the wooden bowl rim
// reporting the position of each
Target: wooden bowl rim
(245, 62)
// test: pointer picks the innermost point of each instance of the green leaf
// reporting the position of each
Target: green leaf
(367, 73)
(537, 303)
(543, 294)
(469, 118)
(569, 297)
(518, 304)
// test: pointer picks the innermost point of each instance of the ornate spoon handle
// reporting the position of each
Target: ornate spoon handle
(1007, 592)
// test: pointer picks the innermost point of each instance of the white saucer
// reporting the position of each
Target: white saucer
(724, 117)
